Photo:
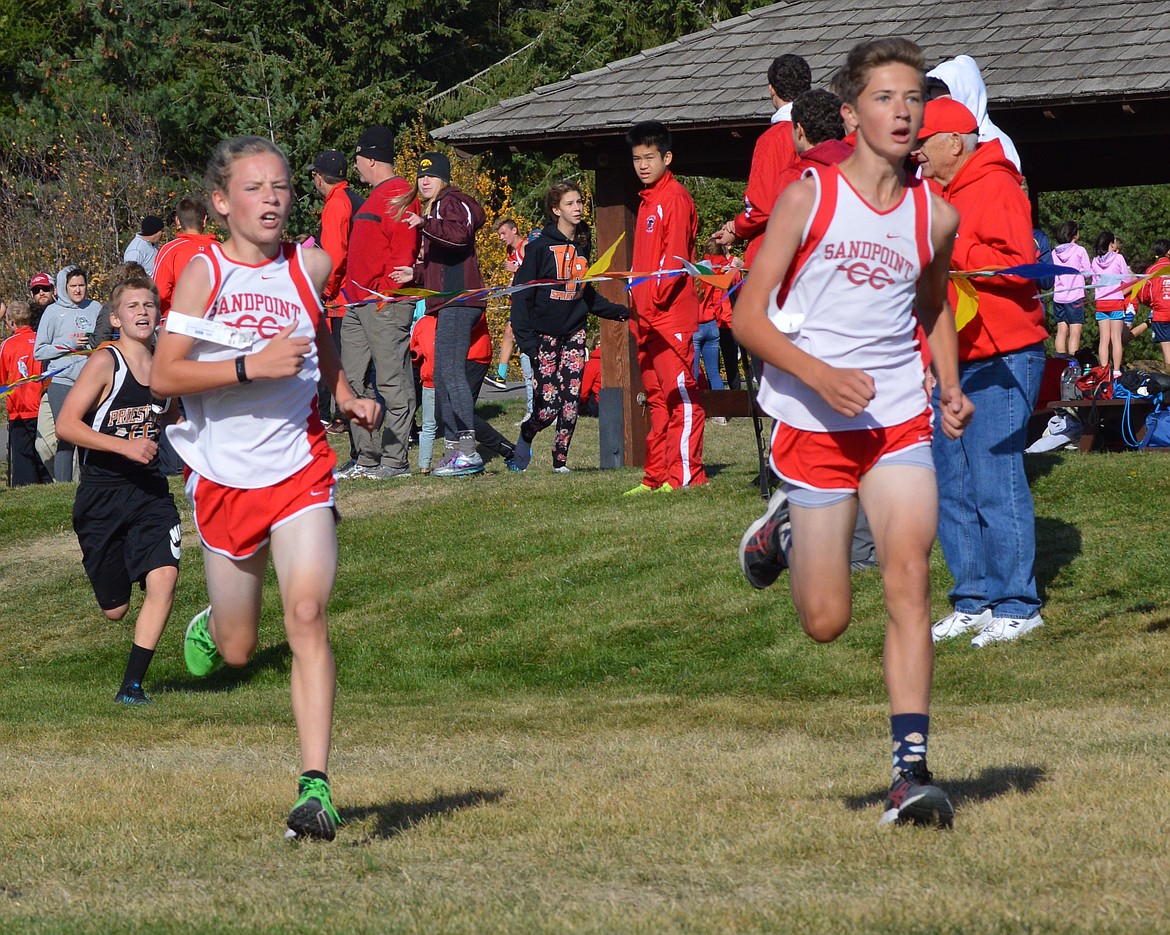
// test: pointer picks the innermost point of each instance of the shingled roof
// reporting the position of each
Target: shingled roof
(1033, 54)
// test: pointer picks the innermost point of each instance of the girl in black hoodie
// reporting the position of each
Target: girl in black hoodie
(549, 322)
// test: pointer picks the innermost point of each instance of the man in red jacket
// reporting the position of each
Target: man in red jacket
(788, 77)
(328, 173)
(667, 316)
(986, 518)
(372, 329)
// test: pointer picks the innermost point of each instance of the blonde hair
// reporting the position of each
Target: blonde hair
(134, 283)
(19, 313)
(218, 173)
(399, 203)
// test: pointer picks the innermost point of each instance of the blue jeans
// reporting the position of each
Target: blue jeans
(430, 427)
(986, 522)
(707, 348)
(526, 369)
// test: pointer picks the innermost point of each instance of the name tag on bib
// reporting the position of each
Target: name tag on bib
(203, 329)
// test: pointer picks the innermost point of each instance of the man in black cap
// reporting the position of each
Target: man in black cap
(144, 247)
(328, 172)
(374, 328)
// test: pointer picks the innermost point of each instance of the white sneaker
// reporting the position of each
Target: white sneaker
(1005, 629)
(958, 623)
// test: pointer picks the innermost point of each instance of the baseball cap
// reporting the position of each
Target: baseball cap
(435, 165)
(40, 280)
(946, 115)
(329, 162)
(376, 142)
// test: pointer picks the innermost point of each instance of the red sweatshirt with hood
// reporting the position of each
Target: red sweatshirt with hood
(1156, 292)
(995, 230)
(825, 153)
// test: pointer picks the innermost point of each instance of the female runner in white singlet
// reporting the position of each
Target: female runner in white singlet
(244, 346)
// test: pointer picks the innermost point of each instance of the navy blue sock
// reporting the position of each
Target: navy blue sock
(136, 666)
(910, 733)
(314, 774)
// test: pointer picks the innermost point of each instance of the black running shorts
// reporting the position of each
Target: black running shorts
(125, 532)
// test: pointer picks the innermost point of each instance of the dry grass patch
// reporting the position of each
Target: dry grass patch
(547, 815)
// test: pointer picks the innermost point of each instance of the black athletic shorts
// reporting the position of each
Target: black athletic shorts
(125, 532)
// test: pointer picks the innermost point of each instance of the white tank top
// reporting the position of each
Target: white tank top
(254, 435)
(848, 300)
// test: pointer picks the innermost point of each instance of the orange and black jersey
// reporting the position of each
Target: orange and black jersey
(562, 308)
(127, 411)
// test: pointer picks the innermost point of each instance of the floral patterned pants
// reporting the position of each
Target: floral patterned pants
(556, 381)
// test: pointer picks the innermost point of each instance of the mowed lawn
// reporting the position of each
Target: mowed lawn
(561, 710)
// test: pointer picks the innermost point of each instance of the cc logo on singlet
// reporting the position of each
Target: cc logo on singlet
(860, 274)
(265, 327)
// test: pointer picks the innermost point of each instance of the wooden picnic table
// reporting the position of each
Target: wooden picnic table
(1102, 420)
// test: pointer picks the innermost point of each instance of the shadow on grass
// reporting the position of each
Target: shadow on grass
(395, 818)
(714, 470)
(226, 679)
(1041, 464)
(1057, 544)
(989, 784)
(488, 411)
(1159, 626)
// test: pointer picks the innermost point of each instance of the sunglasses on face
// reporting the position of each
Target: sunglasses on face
(41, 289)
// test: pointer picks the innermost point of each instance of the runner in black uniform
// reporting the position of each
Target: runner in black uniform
(124, 516)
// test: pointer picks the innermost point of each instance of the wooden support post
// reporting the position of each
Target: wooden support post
(622, 419)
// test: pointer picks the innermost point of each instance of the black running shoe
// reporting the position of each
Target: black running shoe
(762, 548)
(915, 799)
(132, 694)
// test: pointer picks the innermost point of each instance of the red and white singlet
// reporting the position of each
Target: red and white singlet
(848, 300)
(257, 434)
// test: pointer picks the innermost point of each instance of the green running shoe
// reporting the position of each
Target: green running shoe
(314, 815)
(198, 647)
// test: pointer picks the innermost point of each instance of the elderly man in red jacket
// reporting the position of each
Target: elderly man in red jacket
(986, 518)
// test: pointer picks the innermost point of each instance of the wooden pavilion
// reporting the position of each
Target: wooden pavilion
(1081, 86)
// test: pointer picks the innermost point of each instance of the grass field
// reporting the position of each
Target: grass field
(564, 711)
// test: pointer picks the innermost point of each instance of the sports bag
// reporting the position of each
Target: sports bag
(1157, 430)
(1097, 383)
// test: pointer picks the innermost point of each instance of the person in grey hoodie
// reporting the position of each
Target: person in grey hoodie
(65, 327)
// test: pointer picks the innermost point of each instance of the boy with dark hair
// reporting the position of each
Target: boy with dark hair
(788, 77)
(816, 119)
(857, 254)
(24, 402)
(667, 316)
(124, 515)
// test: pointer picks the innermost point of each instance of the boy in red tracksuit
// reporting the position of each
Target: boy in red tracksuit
(24, 402)
(667, 316)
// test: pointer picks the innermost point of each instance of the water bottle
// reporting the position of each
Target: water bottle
(1068, 381)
